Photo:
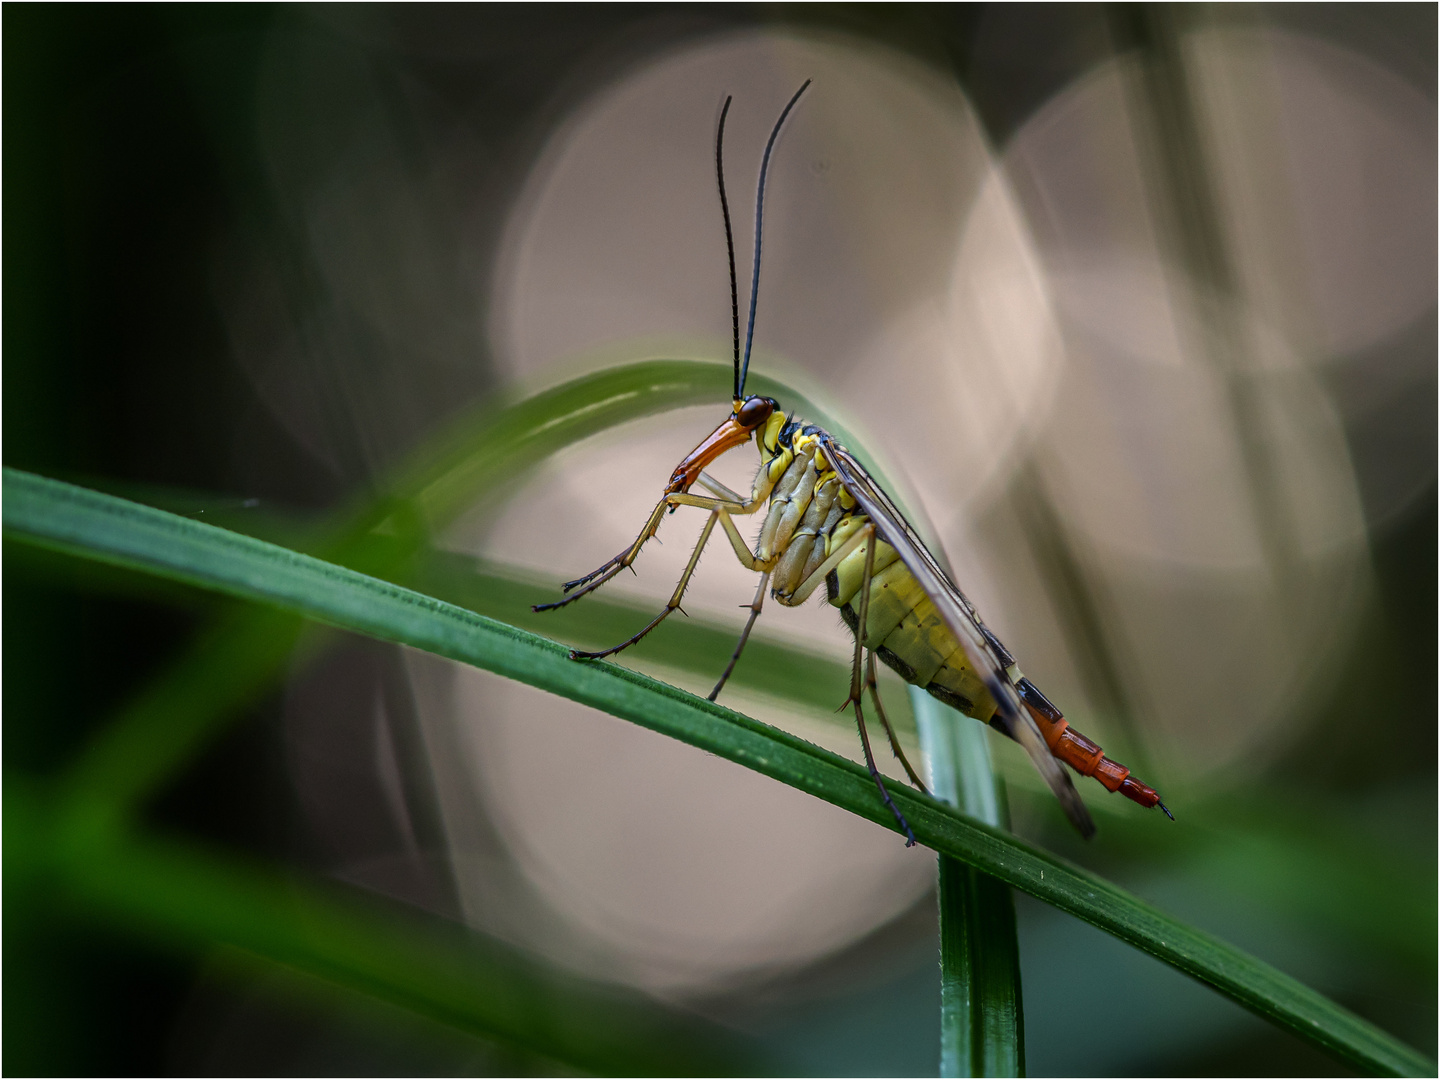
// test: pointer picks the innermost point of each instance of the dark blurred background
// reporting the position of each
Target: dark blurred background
(250, 261)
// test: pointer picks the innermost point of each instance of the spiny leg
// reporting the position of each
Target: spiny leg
(875, 772)
(592, 580)
(574, 590)
(857, 683)
(599, 576)
(674, 603)
(874, 686)
(744, 634)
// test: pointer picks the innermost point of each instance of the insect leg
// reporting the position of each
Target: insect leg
(742, 549)
(593, 580)
(710, 484)
(744, 634)
(674, 603)
(705, 502)
(759, 492)
(874, 686)
(857, 682)
(836, 557)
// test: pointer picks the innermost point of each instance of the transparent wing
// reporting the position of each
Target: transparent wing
(987, 656)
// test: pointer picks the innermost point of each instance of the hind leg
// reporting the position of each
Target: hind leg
(857, 684)
(874, 687)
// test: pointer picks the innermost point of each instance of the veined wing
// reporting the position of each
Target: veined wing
(987, 656)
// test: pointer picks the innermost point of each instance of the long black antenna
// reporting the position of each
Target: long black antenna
(729, 240)
(759, 213)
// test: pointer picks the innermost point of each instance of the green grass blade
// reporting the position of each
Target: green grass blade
(237, 659)
(694, 645)
(102, 527)
(190, 897)
(982, 1021)
(477, 456)
(1308, 862)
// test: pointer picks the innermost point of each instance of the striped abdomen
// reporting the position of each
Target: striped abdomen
(908, 634)
(810, 516)
(904, 629)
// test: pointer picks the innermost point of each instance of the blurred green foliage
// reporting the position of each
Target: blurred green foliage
(92, 525)
(129, 147)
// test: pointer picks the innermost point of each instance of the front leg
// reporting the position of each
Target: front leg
(716, 488)
(599, 576)
(759, 491)
(673, 605)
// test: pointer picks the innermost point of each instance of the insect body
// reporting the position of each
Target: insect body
(828, 522)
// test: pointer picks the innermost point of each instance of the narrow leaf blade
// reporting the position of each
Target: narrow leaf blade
(102, 527)
(982, 1023)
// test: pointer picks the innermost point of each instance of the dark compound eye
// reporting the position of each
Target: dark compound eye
(755, 412)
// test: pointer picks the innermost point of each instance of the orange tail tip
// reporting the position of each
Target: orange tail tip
(1082, 754)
